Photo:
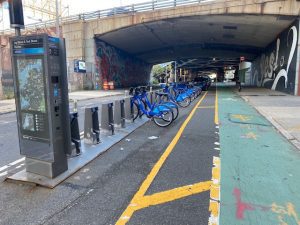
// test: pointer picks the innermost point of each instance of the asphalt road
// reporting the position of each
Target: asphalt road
(100, 192)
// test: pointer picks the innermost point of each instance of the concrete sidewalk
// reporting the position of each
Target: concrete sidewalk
(281, 109)
(7, 106)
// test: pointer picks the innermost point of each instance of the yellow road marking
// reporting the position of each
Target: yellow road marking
(126, 215)
(171, 195)
(251, 135)
(214, 208)
(241, 117)
(214, 204)
(216, 109)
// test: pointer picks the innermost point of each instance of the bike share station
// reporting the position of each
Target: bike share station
(49, 134)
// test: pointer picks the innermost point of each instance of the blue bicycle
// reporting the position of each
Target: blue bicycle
(159, 101)
(162, 115)
(181, 99)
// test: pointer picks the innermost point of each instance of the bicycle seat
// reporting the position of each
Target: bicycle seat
(131, 91)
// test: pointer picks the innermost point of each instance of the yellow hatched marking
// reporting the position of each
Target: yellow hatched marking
(132, 207)
(171, 195)
(215, 192)
(214, 208)
(216, 173)
(214, 205)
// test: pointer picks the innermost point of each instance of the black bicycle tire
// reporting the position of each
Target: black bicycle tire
(171, 110)
(189, 100)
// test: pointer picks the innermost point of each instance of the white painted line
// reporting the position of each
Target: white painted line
(6, 122)
(11, 164)
(17, 161)
(217, 143)
(3, 174)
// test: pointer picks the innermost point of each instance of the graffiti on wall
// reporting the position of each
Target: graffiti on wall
(120, 67)
(276, 68)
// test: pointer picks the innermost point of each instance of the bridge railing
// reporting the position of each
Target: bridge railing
(134, 8)
(129, 9)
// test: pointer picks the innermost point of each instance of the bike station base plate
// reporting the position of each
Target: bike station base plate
(89, 153)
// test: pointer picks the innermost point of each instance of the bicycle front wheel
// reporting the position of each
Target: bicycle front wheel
(185, 102)
(165, 118)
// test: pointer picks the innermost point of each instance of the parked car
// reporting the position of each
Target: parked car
(203, 81)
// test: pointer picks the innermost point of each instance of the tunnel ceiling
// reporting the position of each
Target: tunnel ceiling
(199, 39)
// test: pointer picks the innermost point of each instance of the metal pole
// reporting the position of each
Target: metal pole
(18, 31)
(57, 19)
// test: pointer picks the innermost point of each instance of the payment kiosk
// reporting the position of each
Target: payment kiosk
(41, 91)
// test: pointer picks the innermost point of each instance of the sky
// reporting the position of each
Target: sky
(75, 7)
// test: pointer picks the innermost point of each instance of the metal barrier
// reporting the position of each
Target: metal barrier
(123, 122)
(107, 117)
(75, 134)
(128, 110)
(119, 113)
(91, 126)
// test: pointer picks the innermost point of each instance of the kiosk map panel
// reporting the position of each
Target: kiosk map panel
(30, 77)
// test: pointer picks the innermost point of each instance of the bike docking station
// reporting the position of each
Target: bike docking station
(49, 135)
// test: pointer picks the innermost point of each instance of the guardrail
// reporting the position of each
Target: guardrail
(129, 9)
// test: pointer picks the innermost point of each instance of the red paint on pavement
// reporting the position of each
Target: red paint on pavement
(241, 207)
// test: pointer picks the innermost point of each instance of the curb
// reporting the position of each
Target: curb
(6, 112)
(277, 126)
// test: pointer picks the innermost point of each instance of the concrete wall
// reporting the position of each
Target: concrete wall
(6, 78)
(120, 67)
(6, 69)
(276, 68)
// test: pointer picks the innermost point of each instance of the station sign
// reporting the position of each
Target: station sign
(79, 66)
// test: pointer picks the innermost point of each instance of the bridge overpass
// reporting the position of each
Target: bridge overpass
(122, 44)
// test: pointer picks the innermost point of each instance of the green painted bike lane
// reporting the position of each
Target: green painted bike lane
(260, 169)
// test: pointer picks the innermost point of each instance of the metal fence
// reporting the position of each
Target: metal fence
(129, 9)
